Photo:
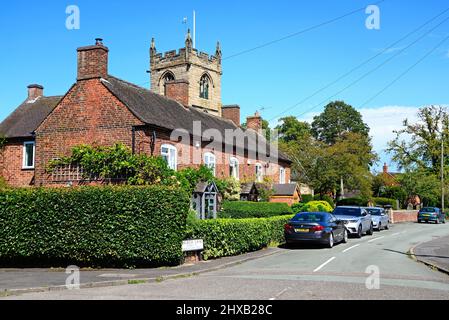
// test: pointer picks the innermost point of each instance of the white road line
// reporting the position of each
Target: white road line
(279, 294)
(324, 264)
(375, 239)
(350, 248)
(395, 234)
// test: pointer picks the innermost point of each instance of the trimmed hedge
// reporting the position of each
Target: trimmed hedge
(363, 202)
(307, 198)
(247, 209)
(386, 201)
(93, 226)
(229, 237)
(326, 198)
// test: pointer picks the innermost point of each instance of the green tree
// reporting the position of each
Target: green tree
(291, 129)
(337, 119)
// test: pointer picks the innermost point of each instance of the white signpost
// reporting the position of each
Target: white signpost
(192, 245)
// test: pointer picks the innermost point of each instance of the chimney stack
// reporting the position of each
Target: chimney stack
(93, 61)
(35, 91)
(178, 90)
(385, 168)
(231, 113)
(254, 122)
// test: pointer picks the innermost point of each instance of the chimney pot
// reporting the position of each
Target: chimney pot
(35, 91)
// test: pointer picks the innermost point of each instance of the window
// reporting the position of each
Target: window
(282, 175)
(170, 154)
(259, 172)
(204, 87)
(28, 155)
(234, 168)
(209, 161)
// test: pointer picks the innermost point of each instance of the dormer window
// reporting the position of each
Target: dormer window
(204, 87)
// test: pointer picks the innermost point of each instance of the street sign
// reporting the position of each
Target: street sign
(193, 245)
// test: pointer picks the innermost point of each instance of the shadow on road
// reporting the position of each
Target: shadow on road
(417, 255)
(301, 246)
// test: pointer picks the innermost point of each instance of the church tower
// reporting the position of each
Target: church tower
(188, 76)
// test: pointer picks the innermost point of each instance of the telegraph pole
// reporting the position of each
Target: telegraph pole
(442, 168)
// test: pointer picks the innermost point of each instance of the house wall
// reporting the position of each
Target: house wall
(11, 162)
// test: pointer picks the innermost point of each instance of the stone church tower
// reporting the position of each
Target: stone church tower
(188, 76)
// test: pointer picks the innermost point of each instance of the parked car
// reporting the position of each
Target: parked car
(316, 227)
(433, 214)
(380, 218)
(356, 219)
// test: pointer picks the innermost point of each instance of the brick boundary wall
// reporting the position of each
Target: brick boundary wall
(403, 216)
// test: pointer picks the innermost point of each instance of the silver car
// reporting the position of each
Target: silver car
(381, 220)
(356, 219)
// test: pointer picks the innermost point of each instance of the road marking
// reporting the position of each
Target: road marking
(324, 264)
(375, 239)
(350, 248)
(279, 294)
(395, 234)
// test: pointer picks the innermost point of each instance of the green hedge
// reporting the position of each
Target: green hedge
(356, 201)
(306, 198)
(386, 201)
(326, 198)
(92, 226)
(247, 209)
(229, 237)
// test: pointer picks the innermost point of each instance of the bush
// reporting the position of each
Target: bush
(306, 198)
(93, 226)
(326, 198)
(317, 206)
(247, 209)
(385, 201)
(356, 201)
(298, 207)
(3, 184)
(229, 237)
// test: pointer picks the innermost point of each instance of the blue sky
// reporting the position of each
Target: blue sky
(36, 47)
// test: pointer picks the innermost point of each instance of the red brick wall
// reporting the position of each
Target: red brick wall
(92, 62)
(404, 216)
(11, 162)
(232, 113)
(178, 90)
(88, 114)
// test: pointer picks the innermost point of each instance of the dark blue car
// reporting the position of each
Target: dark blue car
(431, 214)
(315, 227)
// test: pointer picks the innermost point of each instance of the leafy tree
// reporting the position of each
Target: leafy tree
(338, 119)
(291, 129)
(424, 183)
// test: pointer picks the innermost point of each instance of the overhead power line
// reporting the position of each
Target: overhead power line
(330, 84)
(317, 26)
(374, 69)
(405, 72)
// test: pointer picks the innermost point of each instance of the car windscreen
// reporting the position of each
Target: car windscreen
(355, 212)
(309, 217)
(427, 210)
(374, 212)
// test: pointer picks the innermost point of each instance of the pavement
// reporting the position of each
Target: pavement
(374, 267)
(434, 253)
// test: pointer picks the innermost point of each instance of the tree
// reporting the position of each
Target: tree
(338, 119)
(291, 129)
(418, 145)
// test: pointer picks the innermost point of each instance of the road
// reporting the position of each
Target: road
(304, 273)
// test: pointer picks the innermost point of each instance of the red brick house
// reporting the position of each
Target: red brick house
(100, 109)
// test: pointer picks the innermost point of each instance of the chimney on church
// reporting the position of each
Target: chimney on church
(35, 91)
(385, 168)
(232, 113)
(93, 61)
(178, 90)
(254, 122)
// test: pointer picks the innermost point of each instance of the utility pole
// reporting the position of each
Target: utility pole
(442, 167)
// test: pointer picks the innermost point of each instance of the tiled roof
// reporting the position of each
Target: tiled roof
(27, 117)
(287, 189)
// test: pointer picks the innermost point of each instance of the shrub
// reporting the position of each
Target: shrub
(228, 237)
(3, 184)
(306, 198)
(326, 198)
(356, 201)
(298, 207)
(385, 201)
(247, 209)
(93, 226)
(317, 206)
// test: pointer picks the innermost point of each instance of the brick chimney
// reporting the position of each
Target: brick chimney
(178, 90)
(385, 168)
(231, 113)
(93, 61)
(35, 91)
(254, 122)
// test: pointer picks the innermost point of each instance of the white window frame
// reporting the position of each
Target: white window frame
(282, 175)
(172, 156)
(25, 157)
(210, 161)
(259, 172)
(234, 163)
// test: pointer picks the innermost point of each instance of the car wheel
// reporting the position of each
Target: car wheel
(330, 241)
(387, 227)
(379, 228)
(360, 232)
(419, 221)
(370, 231)
(437, 222)
(345, 236)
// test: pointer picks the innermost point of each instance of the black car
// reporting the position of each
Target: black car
(316, 227)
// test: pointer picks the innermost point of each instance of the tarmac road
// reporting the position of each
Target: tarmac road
(305, 273)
